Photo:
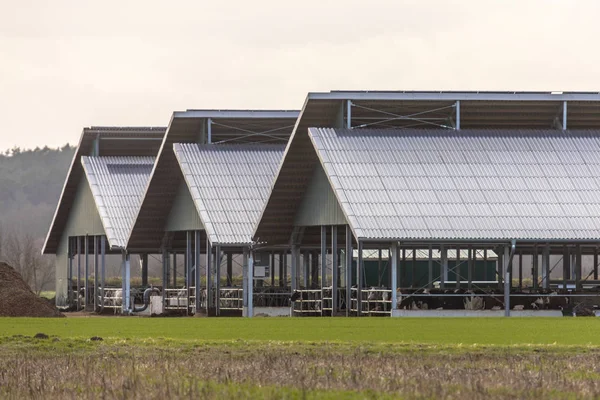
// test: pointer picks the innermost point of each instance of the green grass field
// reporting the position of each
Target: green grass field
(467, 331)
(298, 358)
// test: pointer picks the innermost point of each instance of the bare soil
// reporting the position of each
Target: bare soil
(17, 299)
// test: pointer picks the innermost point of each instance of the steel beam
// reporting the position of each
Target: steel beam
(470, 268)
(535, 264)
(578, 268)
(144, 270)
(359, 278)
(429, 268)
(444, 274)
(323, 256)
(394, 280)
(348, 262)
(334, 270)
(349, 114)
(546, 267)
(306, 263)
(294, 267)
(174, 270)
(596, 263)
(87, 273)
(457, 268)
(103, 266)
(506, 263)
(96, 265)
(209, 130)
(208, 278)
(251, 285)
(564, 120)
(245, 280)
(217, 279)
(197, 288)
(229, 269)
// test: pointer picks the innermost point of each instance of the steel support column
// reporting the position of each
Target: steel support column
(197, 289)
(87, 273)
(444, 259)
(564, 115)
(566, 266)
(281, 277)
(457, 268)
(429, 268)
(458, 115)
(245, 280)
(174, 270)
(535, 263)
(218, 280)
(578, 267)
(144, 269)
(348, 269)
(359, 278)
(96, 265)
(546, 267)
(229, 269)
(595, 263)
(323, 256)
(251, 285)
(505, 266)
(394, 280)
(103, 266)
(349, 114)
(208, 278)
(334, 270)
(294, 267)
(78, 273)
(470, 267)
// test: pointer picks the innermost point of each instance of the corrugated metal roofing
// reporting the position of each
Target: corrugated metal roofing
(117, 184)
(114, 141)
(229, 185)
(465, 185)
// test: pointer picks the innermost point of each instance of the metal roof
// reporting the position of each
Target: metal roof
(534, 185)
(229, 185)
(478, 110)
(230, 126)
(106, 141)
(117, 184)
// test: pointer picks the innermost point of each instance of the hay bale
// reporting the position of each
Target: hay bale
(17, 299)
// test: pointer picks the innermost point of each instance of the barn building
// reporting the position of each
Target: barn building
(461, 175)
(97, 207)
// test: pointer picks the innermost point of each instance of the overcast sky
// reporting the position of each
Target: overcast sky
(69, 64)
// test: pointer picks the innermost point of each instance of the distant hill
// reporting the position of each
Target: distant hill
(30, 185)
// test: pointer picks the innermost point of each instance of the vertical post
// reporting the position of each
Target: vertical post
(103, 261)
(546, 267)
(578, 268)
(457, 268)
(379, 268)
(458, 115)
(359, 278)
(521, 271)
(413, 269)
(349, 114)
(70, 252)
(485, 265)
(165, 280)
(430, 268)
(229, 269)
(251, 285)
(348, 261)
(282, 279)
(294, 268)
(394, 259)
(566, 266)
(245, 279)
(305, 276)
(535, 262)
(188, 267)
(595, 263)
(470, 267)
(78, 272)
(444, 274)
(197, 251)
(209, 130)
(218, 279)
(208, 281)
(403, 269)
(96, 265)
(272, 264)
(174, 269)
(564, 121)
(323, 256)
(474, 263)
(126, 274)
(505, 264)
(314, 279)
(144, 270)
(87, 273)
(334, 270)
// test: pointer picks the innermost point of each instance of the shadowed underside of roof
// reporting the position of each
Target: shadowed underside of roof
(106, 141)
(229, 185)
(117, 184)
(533, 185)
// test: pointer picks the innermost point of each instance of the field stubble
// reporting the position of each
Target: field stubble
(76, 368)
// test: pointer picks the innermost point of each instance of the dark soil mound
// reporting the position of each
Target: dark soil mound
(17, 299)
